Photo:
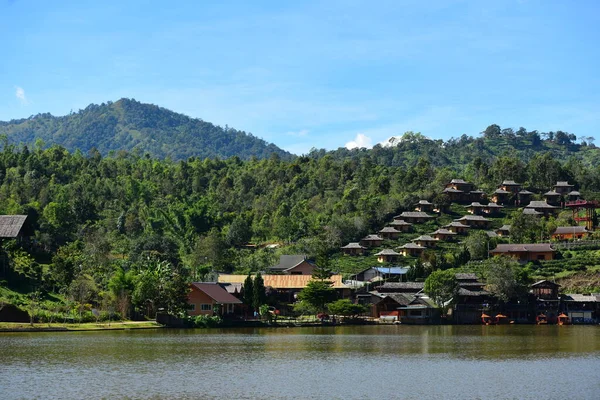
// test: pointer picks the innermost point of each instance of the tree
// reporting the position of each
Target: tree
(259, 293)
(346, 308)
(477, 243)
(317, 294)
(525, 228)
(506, 279)
(248, 294)
(441, 287)
(239, 232)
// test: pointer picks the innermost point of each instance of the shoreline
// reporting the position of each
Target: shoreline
(17, 327)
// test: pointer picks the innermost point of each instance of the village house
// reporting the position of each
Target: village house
(411, 250)
(491, 234)
(297, 264)
(387, 255)
(414, 217)
(401, 225)
(524, 197)
(373, 274)
(504, 230)
(401, 287)
(458, 227)
(461, 192)
(552, 198)
(525, 252)
(570, 233)
(501, 196)
(542, 207)
(389, 232)
(510, 186)
(471, 299)
(581, 308)
(573, 195)
(354, 249)
(371, 241)
(531, 211)
(563, 187)
(475, 208)
(425, 241)
(211, 299)
(474, 221)
(443, 234)
(492, 208)
(547, 301)
(424, 206)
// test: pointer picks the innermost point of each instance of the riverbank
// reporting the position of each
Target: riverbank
(63, 327)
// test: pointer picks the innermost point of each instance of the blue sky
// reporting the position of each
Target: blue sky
(312, 73)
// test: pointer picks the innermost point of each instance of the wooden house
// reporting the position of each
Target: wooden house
(414, 217)
(212, 299)
(401, 225)
(563, 187)
(371, 241)
(460, 184)
(425, 241)
(545, 289)
(474, 221)
(525, 252)
(443, 234)
(581, 308)
(573, 195)
(401, 287)
(475, 208)
(524, 197)
(411, 250)
(547, 300)
(462, 192)
(510, 186)
(542, 207)
(552, 198)
(570, 232)
(458, 227)
(389, 232)
(531, 211)
(492, 208)
(296, 264)
(424, 206)
(387, 255)
(471, 299)
(504, 230)
(354, 249)
(501, 196)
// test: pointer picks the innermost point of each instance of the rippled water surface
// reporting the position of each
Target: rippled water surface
(382, 362)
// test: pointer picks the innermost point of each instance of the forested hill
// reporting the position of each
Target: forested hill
(493, 143)
(133, 126)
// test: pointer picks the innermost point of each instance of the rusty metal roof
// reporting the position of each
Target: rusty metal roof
(282, 281)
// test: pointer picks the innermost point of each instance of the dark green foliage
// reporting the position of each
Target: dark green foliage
(505, 278)
(259, 297)
(442, 287)
(248, 294)
(318, 294)
(346, 308)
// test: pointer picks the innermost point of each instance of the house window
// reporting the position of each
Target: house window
(541, 257)
(206, 307)
(192, 307)
(296, 273)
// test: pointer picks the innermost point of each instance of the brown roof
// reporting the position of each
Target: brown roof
(561, 230)
(10, 225)
(520, 248)
(538, 283)
(216, 292)
(282, 281)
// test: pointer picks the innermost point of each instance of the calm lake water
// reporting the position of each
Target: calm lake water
(382, 362)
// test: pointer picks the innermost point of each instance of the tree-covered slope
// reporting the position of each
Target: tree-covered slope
(133, 126)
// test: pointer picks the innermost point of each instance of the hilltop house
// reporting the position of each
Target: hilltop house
(371, 241)
(563, 187)
(510, 186)
(457, 227)
(353, 249)
(552, 198)
(387, 255)
(524, 197)
(542, 207)
(443, 234)
(501, 196)
(401, 225)
(389, 232)
(504, 230)
(297, 264)
(411, 250)
(414, 217)
(474, 221)
(424, 206)
(425, 241)
(460, 191)
(525, 252)
(570, 232)
(13, 226)
(573, 195)
(211, 299)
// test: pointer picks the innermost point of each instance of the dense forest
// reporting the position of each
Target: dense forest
(137, 127)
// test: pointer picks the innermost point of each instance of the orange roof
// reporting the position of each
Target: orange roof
(282, 281)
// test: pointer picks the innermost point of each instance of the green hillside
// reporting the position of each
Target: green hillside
(128, 125)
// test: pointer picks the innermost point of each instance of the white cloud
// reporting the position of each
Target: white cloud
(20, 93)
(360, 141)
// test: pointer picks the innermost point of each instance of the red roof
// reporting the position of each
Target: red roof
(216, 292)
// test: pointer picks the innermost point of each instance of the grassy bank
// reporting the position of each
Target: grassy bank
(91, 326)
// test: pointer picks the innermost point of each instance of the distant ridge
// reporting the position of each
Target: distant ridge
(138, 127)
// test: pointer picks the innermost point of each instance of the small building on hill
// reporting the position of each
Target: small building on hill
(297, 264)
(387, 255)
(570, 232)
(563, 187)
(443, 234)
(492, 208)
(552, 198)
(526, 252)
(373, 274)
(524, 197)
(542, 207)
(389, 232)
(411, 250)
(12, 226)
(401, 225)
(354, 249)
(475, 208)
(424, 206)
(371, 241)
(474, 221)
(501, 196)
(414, 217)
(425, 241)
(573, 195)
(503, 231)
(510, 186)
(458, 227)
(531, 211)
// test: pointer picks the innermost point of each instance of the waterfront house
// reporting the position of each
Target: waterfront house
(421, 310)
(504, 230)
(387, 255)
(371, 241)
(471, 299)
(542, 207)
(353, 249)
(296, 264)
(457, 227)
(474, 221)
(424, 206)
(581, 308)
(525, 252)
(414, 217)
(389, 232)
(570, 233)
(443, 234)
(547, 301)
(425, 241)
(411, 250)
(563, 187)
(211, 299)
(401, 225)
